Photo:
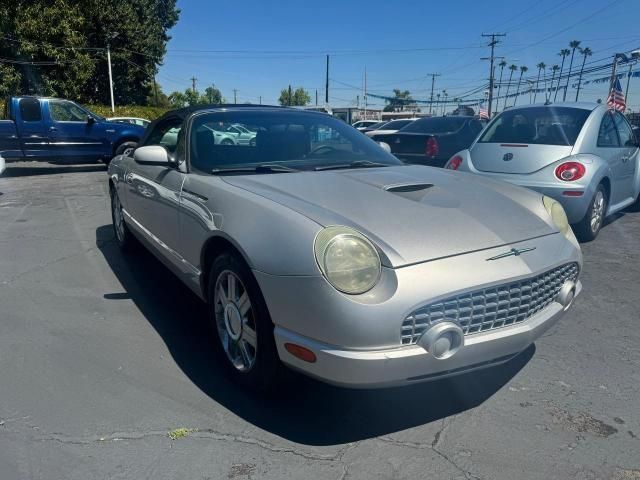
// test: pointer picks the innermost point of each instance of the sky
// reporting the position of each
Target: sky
(259, 47)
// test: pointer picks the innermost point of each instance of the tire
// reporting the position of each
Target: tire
(242, 325)
(588, 228)
(123, 147)
(124, 238)
(226, 141)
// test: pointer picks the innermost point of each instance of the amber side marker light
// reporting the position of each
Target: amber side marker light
(300, 352)
(572, 193)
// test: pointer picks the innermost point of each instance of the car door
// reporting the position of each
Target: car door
(629, 152)
(609, 149)
(71, 133)
(31, 127)
(153, 192)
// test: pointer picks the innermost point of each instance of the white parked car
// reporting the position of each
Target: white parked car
(362, 124)
(391, 127)
(143, 122)
(2, 165)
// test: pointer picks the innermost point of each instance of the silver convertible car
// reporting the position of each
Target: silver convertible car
(318, 250)
(583, 155)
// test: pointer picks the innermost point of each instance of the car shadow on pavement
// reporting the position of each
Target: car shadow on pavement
(304, 410)
(49, 168)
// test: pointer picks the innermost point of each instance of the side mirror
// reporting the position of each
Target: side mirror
(385, 146)
(152, 155)
(90, 120)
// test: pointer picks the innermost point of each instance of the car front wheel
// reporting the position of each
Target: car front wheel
(241, 322)
(589, 227)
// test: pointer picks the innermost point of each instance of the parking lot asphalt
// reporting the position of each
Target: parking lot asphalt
(107, 372)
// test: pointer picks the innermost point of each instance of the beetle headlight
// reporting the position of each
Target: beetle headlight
(347, 259)
(557, 214)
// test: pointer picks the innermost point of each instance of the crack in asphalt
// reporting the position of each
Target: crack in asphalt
(427, 446)
(205, 433)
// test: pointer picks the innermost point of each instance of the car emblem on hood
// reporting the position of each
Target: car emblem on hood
(507, 157)
(514, 252)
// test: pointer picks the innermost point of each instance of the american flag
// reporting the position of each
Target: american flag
(482, 111)
(616, 98)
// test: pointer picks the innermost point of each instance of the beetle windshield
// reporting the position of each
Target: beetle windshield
(537, 125)
(229, 140)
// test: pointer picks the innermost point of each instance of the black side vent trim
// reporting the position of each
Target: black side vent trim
(412, 187)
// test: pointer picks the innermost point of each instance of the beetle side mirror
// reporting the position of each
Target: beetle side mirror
(153, 155)
(90, 120)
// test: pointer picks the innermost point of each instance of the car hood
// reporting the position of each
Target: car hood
(413, 213)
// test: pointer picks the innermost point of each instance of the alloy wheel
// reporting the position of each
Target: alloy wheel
(235, 321)
(118, 217)
(597, 211)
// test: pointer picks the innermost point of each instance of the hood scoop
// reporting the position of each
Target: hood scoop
(410, 191)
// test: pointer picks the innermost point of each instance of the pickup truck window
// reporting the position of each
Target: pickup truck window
(30, 110)
(64, 111)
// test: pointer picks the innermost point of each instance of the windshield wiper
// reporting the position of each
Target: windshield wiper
(262, 168)
(356, 164)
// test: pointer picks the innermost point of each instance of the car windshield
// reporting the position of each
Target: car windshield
(435, 125)
(537, 125)
(293, 139)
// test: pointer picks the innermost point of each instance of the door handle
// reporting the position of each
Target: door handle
(625, 158)
(52, 129)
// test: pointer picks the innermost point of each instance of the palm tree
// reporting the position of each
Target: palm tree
(437, 102)
(574, 44)
(541, 66)
(513, 68)
(554, 69)
(502, 64)
(444, 103)
(522, 70)
(586, 52)
(563, 53)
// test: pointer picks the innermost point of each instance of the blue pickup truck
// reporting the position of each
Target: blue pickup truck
(56, 129)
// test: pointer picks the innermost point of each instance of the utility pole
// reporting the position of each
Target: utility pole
(326, 85)
(316, 97)
(113, 107)
(193, 83)
(365, 93)
(494, 41)
(289, 98)
(235, 95)
(260, 99)
(433, 83)
(155, 89)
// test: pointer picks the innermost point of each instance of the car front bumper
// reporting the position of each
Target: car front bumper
(413, 364)
(357, 340)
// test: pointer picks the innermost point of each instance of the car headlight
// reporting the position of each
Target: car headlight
(347, 259)
(557, 214)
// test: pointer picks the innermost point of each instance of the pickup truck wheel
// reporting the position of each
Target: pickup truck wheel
(242, 325)
(123, 147)
(124, 237)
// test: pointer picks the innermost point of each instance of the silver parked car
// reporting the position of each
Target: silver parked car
(582, 155)
(316, 249)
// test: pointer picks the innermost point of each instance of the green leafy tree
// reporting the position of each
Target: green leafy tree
(178, 100)
(399, 101)
(58, 47)
(298, 97)
(212, 95)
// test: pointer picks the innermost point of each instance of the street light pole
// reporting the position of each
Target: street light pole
(113, 108)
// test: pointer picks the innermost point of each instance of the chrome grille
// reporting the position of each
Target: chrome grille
(490, 308)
